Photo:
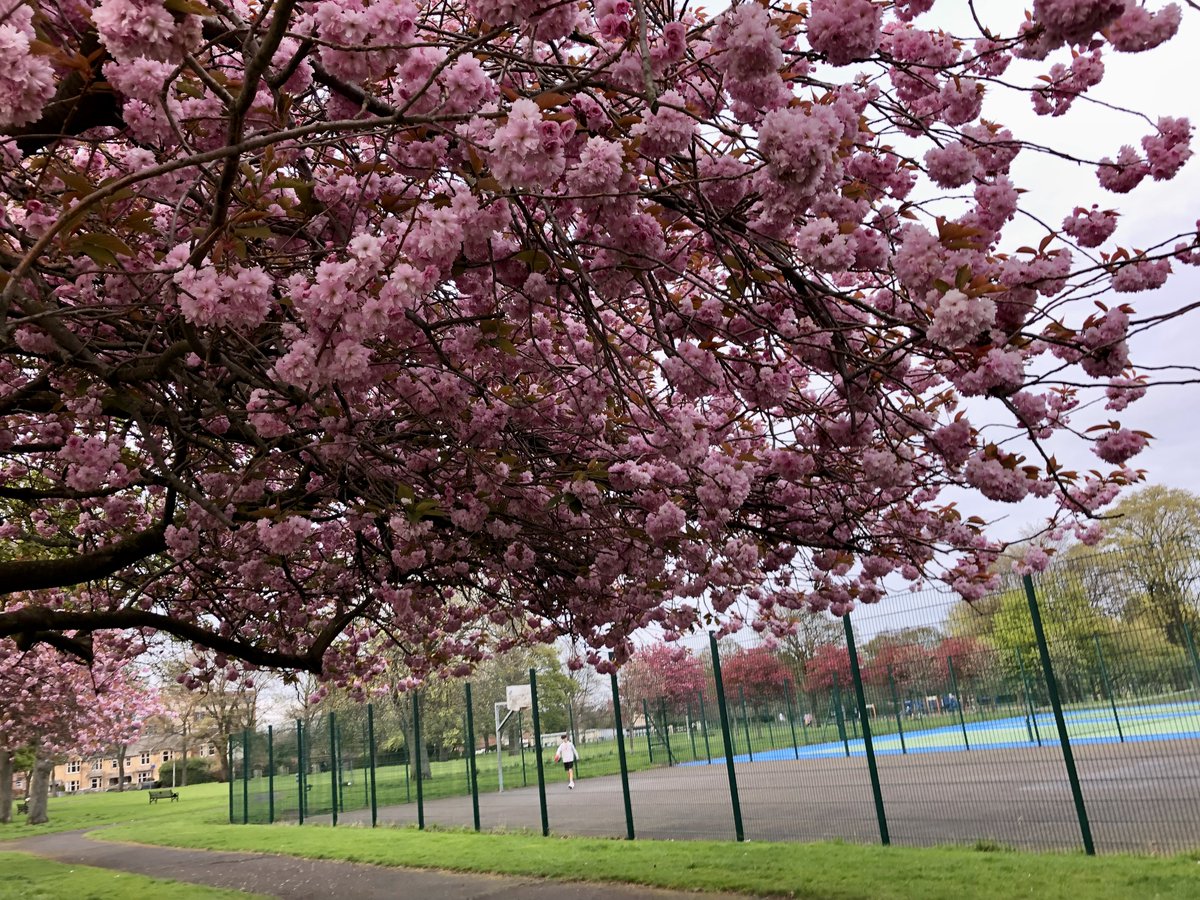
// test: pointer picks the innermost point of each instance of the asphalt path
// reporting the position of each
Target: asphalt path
(291, 878)
(1139, 797)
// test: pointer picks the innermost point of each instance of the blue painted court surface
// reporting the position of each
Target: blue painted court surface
(1097, 725)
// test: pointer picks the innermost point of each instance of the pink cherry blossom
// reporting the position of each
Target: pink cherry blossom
(844, 30)
(1090, 228)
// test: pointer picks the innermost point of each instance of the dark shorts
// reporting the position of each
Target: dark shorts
(569, 765)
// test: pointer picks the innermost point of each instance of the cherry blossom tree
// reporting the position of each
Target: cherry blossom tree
(53, 703)
(329, 323)
(901, 662)
(829, 666)
(759, 672)
(663, 671)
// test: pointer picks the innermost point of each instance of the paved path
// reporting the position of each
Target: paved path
(291, 878)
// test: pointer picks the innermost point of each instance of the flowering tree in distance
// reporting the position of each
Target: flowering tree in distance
(52, 703)
(759, 672)
(329, 323)
(829, 667)
(664, 671)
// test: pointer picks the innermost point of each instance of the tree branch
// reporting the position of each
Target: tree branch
(38, 574)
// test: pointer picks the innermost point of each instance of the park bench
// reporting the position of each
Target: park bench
(163, 794)
(23, 808)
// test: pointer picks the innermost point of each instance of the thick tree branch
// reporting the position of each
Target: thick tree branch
(33, 623)
(39, 574)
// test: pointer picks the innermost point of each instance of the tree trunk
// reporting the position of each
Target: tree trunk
(223, 755)
(39, 791)
(6, 798)
(120, 768)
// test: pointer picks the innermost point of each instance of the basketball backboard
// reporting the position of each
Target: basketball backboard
(518, 697)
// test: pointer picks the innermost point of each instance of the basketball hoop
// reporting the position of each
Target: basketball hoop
(518, 697)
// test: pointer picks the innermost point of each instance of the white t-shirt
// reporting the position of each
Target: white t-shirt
(566, 752)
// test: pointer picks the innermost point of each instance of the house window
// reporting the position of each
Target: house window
(115, 762)
(166, 756)
(95, 783)
(146, 758)
(73, 766)
(145, 777)
(72, 787)
(97, 765)
(18, 783)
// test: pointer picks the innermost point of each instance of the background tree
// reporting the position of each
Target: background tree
(894, 658)
(810, 630)
(759, 673)
(1150, 574)
(51, 704)
(227, 703)
(345, 322)
(829, 666)
(663, 671)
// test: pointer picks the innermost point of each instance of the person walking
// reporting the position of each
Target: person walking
(567, 754)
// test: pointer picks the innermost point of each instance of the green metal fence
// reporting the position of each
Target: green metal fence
(1061, 712)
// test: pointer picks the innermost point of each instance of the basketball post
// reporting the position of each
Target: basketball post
(517, 698)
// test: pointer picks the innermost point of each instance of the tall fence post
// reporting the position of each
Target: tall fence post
(371, 762)
(896, 707)
(725, 735)
(366, 762)
(229, 758)
(301, 770)
(271, 774)
(840, 714)
(704, 729)
(746, 723)
(646, 722)
(616, 698)
(958, 700)
(1085, 828)
(419, 765)
(1037, 731)
(521, 742)
(690, 724)
(337, 766)
(246, 776)
(472, 773)
(1112, 700)
(665, 729)
(868, 744)
(333, 767)
(787, 692)
(537, 749)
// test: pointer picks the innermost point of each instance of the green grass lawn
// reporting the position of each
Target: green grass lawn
(208, 803)
(25, 877)
(825, 871)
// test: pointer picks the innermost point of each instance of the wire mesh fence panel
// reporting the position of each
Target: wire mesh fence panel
(965, 750)
(256, 780)
(793, 728)
(966, 733)
(1120, 632)
(674, 791)
(285, 754)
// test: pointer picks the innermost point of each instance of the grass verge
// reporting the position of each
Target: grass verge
(201, 802)
(815, 871)
(25, 877)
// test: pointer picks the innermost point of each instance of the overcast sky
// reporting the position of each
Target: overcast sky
(1155, 84)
